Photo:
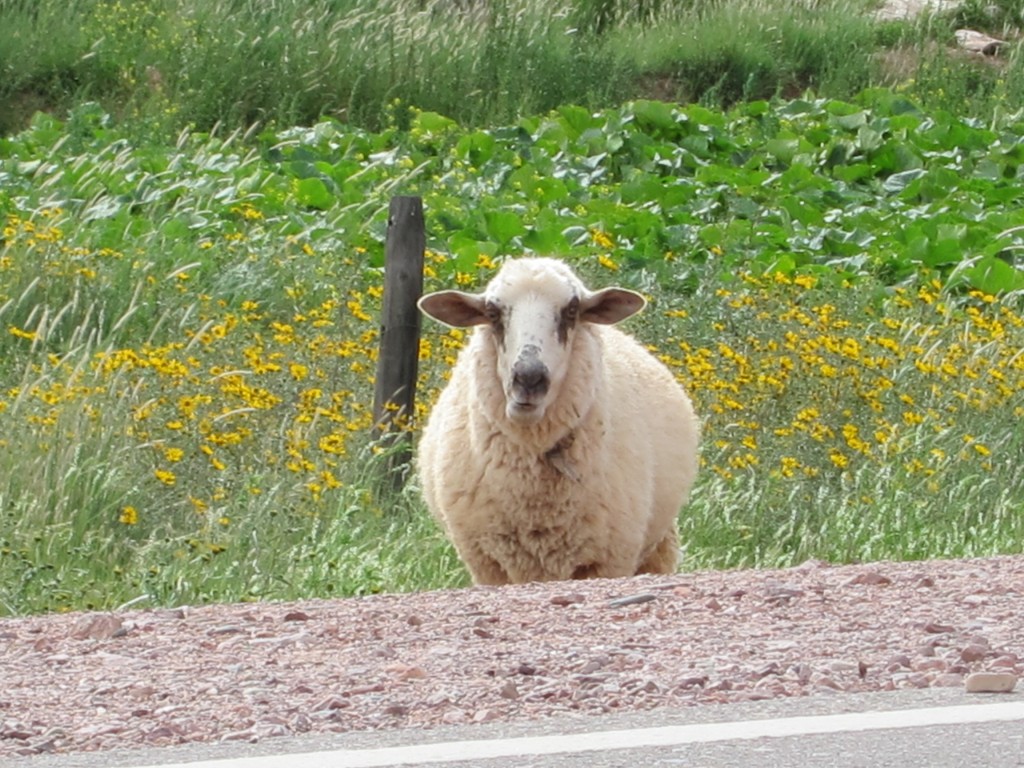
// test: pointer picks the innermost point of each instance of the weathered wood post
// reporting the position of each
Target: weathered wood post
(398, 358)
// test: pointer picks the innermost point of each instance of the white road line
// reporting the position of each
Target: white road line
(670, 735)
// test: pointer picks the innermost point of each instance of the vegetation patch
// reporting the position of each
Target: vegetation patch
(189, 333)
(167, 64)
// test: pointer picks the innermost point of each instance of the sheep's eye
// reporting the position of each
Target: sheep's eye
(493, 313)
(566, 322)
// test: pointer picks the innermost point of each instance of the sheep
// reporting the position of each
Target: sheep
(560, 448)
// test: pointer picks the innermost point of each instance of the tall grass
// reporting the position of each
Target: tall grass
(178, 62)
(166, 64)
(721, 53)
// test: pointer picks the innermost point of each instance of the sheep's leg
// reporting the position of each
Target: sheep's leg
(486, 570)
(664, 557)
(585, 572)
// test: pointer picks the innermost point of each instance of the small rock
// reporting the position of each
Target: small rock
(140, 692)
(768, 669)
(173, 613)
(974, 652)
(632, 600)
(485, 716)
(226, 629)
(396, 710)
(593, 665)
(248, 735)
(802, 672)
(825, 683)
(573, 598)
(840, 667)
(15, 730)
(978, 42)
(935, 628)
(771, 685)
(509, 691)
(102, 626)
(361, 690)
(869, 578)
(925, 582)
(407, 672)
(919, 680)
(415, 673)
(812, 565)
(781, 594)
(296, 616)
(160, 733)
(948, 680)
(697, 681)
(990, 682)
(641, 686)
(414, 621)
(331, 702)
(755, 695)
(48, 744)
(932, 665)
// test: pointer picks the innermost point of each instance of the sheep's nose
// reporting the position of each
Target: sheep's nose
(530, 377)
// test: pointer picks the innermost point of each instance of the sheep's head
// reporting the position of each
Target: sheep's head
(533, 308)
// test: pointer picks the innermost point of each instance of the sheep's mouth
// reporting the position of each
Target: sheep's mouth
(524, 411)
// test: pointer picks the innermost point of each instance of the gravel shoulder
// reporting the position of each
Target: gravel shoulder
(250, 672)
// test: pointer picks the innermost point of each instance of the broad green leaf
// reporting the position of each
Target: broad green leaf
(432, 124)
(502, 226)
(993, 275)
(576, 120)
(854, 172)
(313, 193)
(783, 149)
(851, 121)
(898, 182)
(656, 115)
(545, 240)
(477, 147)
(868, 139)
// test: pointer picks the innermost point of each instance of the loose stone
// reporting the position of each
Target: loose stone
(990, 682)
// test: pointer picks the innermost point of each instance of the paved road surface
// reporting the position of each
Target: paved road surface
(942, 728)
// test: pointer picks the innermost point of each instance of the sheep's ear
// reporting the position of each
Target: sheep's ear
(454, 308)
(611, 305)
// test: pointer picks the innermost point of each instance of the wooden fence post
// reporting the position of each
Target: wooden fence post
(394, 394)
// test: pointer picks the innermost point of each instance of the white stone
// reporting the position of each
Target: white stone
(990, 682)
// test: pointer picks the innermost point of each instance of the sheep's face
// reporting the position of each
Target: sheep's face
(533, 308)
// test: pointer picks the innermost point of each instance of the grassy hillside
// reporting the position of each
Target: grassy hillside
(168, 64)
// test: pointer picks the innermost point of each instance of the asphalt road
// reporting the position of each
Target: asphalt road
(942, 728)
